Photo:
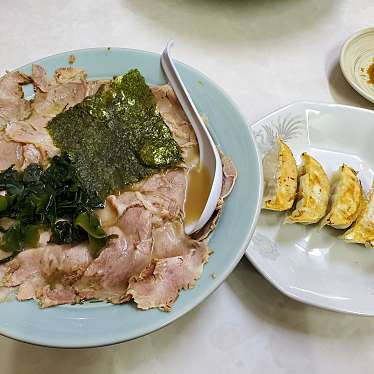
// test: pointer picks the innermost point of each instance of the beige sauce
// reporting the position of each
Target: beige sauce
(198, 188)
(371, 73)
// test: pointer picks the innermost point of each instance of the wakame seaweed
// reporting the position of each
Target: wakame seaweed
(116, 137)
(52, 199)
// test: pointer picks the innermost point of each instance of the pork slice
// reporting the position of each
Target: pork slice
(30, 155)
(13, 106)
(39, 78)
(158, 285)
(67, 88)
(69, 74)
(5, 292)
(174, 116)
(161, 194)
(123, 202)
(40, 271)
(166, 192)
(10, 153)
(3, 267)
(59, 97)
(29, 132)
(64, 264)
(51, 296)
(169, 240)
(94, 86)
(119, 204)
(29, 288)
(24, 267)
(24, 271)
(107, 276)
(229, 175)
(11, 85)
(61, 266)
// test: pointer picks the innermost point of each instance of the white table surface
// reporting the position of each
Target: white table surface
(265, 54)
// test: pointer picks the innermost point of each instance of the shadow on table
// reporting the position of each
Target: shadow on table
(224, 21)
(340, 89)
(271, 306)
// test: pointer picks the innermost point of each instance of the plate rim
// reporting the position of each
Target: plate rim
(219, 279)
(266, 274)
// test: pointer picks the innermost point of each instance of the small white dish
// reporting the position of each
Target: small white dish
(308, 263)
(356, 56)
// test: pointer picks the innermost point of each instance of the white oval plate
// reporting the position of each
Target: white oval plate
(308, 263)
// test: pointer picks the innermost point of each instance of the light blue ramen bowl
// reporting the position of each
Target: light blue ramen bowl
(96, 324)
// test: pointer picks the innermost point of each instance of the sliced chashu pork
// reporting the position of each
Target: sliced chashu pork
(11, 153)
(61, 267)
(166, 192)
(177, 263)
(67, 88)
(23, 267)
(162, 194)
(5, 292)
(29, 155)
(106, 278)
(39, 78)
(38, 272)
(13, 106)
(57, 295)
(156, 200)
(174, 116)
(168, 240)
(27, 124)
(64, 264)
(159, 284)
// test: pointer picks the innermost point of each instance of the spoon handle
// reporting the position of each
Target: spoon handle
(182, 94)
(208, 152)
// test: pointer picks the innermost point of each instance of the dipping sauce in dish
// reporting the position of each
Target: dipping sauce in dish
(370, 73)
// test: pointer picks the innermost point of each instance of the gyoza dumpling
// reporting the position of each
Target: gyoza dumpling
(280, 177)
(313, 193)
(346, 199)
(362, 231)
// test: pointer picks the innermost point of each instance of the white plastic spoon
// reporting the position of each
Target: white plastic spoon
(208, 152)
